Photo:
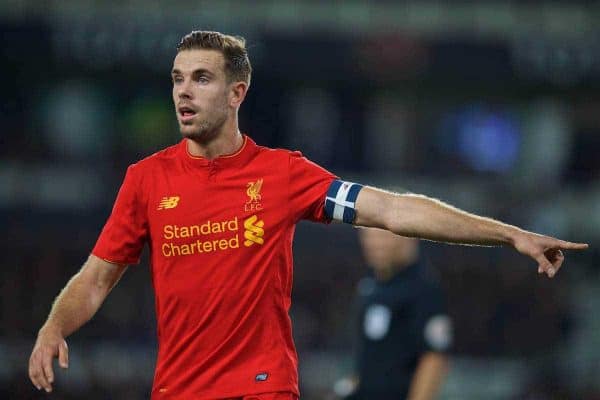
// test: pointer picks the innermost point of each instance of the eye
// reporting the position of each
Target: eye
(203, 80)
(177, 79)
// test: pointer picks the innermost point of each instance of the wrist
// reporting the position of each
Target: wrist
(50, 328)
(509, 235)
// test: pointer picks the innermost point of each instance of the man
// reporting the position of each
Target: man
(218, 213)
(404, 331)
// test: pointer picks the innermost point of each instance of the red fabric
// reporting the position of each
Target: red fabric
(272, 396)
(126, 230)
(222, 286)
(268, 396)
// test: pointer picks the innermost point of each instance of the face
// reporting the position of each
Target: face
(201, 94)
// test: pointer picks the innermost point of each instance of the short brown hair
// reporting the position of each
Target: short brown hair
(233, 48)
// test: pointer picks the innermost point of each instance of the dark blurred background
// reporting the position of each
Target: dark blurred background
(493, 106)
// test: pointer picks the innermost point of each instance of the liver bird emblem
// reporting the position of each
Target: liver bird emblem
(253, 190)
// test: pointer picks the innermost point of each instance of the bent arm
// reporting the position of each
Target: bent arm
(83, 295)
(75, 305)
(428, 377)
(420, 216)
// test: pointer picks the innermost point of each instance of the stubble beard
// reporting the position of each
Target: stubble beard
(207, 129)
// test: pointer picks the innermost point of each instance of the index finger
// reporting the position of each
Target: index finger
(35, 371)
(572, 246)
(47, 370)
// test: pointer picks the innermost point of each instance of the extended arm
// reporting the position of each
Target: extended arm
(428, 376)
(74, 306)
(420, 216)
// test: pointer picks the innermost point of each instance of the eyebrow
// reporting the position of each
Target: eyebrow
(194, 72)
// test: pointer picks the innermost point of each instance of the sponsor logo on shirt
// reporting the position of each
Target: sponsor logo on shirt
(168, 202)
(211, 236)
(253, 192)
(254, 231)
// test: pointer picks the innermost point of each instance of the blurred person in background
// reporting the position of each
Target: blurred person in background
(404, 331)
(219, 213)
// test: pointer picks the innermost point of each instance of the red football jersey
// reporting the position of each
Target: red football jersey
(220, 236)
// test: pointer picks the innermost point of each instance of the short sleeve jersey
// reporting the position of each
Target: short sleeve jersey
(220, 237)
(400, 320)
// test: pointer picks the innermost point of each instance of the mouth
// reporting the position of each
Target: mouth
(186, 113)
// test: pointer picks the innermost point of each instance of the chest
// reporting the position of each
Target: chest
(195, 204)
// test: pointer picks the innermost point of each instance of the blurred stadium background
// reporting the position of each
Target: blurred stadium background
(493, 106)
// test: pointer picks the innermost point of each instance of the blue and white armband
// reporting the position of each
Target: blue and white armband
(340, 203)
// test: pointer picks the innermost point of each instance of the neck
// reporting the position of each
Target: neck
(227, 141)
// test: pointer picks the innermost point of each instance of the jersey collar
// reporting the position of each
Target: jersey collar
(240, 157)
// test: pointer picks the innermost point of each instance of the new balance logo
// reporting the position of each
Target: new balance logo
(254, 231)
(168, 202)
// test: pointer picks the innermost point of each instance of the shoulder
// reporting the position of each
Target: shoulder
(141, 172)
(282, 159)
(155, 160)
(292, 157)
(278, 153)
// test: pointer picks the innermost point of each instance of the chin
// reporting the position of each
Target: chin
(194, 133)
(189, 130)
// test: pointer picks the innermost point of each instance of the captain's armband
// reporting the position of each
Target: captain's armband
(340, 203)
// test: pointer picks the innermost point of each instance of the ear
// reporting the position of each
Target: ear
(237, 93)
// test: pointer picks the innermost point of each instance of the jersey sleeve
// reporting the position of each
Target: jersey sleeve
(308, 185)
(123, 236)
(436, 325)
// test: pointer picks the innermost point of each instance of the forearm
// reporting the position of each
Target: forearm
(83, 295)
(420, 216)
(73, 307)
(428, 377)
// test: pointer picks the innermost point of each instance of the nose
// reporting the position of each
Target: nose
(184, 90)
